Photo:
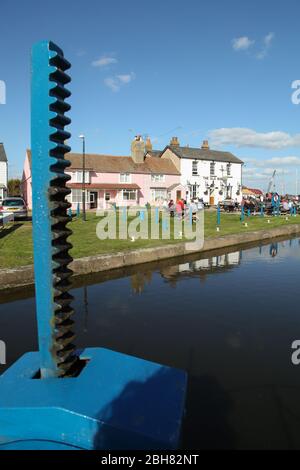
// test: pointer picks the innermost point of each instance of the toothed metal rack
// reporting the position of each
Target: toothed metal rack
(50, 210)
(59, 397)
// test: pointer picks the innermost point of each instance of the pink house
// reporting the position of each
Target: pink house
(141, 178)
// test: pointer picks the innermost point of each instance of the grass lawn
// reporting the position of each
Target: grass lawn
(16, 240)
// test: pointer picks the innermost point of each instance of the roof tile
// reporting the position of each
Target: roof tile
(204, 154)
(119, 164)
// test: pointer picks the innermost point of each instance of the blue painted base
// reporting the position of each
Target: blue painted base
(117, 402)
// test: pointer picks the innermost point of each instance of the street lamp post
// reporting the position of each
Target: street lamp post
(82, 137)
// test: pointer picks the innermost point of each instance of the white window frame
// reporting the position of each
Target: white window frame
(157, 178)
(159, 194)
(193, 191)
(228, 169)
(129, 191)
(78, 198)
(125, 177)
(229, 192)
(79, 176)
(195, 171)
(92, 197)
(212, 169)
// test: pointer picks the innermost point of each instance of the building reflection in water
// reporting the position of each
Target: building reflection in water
(274, 249)
(199, 268)
(139, 281)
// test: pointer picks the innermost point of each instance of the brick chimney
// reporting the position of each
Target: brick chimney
(174, 142)
(205, 145)
(138, 149)
(148, 145)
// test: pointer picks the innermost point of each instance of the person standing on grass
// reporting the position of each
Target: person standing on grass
(178, 209)
(181, 203)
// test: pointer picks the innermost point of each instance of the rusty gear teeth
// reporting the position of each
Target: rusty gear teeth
(64, 350)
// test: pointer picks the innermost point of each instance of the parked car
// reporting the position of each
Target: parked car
(16, 205)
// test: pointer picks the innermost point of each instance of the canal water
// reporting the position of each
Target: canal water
(228, 320)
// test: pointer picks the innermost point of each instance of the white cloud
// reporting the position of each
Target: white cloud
(263, 172)
(116, 82)
(242, 43)
(257, 176)
(274, 162)
(281, 161)
(248, 171)
(126, 78)
(268, 39)
(104, 61)
(264, 176)
(112, 83)
(243, 137)
(267, 42)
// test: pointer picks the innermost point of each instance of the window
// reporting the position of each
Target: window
(125, 177)
(77, 196)
(194, 191)
(107, 196)
(158, 194)
(79, 176)
(157, 178)
(195, 168)
(228, 166)
(229, 192)
(212, 168)
(129, 194)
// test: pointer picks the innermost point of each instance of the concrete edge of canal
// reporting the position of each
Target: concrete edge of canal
(23, 276)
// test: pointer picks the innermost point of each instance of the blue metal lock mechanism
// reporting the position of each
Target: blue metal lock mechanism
(59, 397)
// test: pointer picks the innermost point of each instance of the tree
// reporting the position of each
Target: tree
(14, 187)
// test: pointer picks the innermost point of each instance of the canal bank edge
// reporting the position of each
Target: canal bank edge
(24, 276)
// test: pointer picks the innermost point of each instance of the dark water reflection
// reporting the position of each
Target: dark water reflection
(228, 320)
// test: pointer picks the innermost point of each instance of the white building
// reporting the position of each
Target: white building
(208, 174)
(3, 172)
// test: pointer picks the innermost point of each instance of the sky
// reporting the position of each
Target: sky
(220, 70)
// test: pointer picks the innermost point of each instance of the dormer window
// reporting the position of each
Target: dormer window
(195, 168)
